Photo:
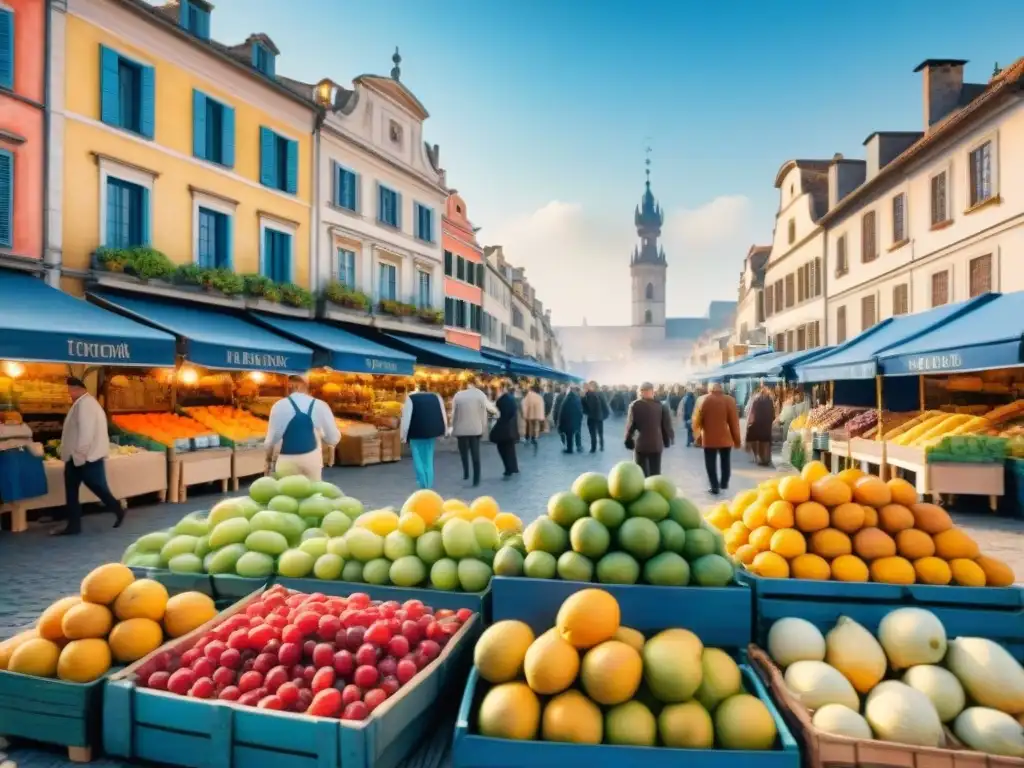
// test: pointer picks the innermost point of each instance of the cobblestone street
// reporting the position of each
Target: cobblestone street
(37, 569)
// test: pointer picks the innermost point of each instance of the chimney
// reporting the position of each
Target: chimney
(943, 81)
(844, 176)
(882, 147)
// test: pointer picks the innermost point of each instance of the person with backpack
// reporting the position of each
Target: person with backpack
(423, 421)
(296, 427)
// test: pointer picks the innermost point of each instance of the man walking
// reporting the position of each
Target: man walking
(84, 447)
(423, 421)
(648, 430)
(556, 412)
(570, 420)
(470, 408)
(716, 424)
(688, 403)
(533, 413)
(505, 432)
(596, 409)
(296, 426)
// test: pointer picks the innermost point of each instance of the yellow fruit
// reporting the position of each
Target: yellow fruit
(770, 565)
(11, 644)
(848, 518)
(997, 573)
(933, 570)
(955, 544)
(501, 649)
(484, 506)
(872, 491)
(426, 503)
(411, 524)
(830, 543)
(631, 637)
(855, 652)
(902, 492)
(849, 568)
(741, 502)
(795, 489)
(452, 505)
(811, 516)
(873, 543)
(720, 678)
(850, 476)
(809, 566)
(36, 656)
(380, 521)
(719, 517)
(102, 585)
(914, 544)
(931, 518)
(187, 611)
(506, 521)
(510, 711)
(788, 543)
(755, 515)
(831, 492)
(49, 624)
(588, 617)
(132, 639)
(780, 514)
(761, 539)
(86, 620)
(142, 599)
(611, 672)
(551, 664)
(744, 722)
(892, 570)
(686, 726)
(870, 516)
(967, 573)
(768, 496)
(572, 718)
(813, 471)
(739, 532)
(745, 553)
(893, 518)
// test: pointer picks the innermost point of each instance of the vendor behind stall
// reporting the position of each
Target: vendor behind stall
(294, 425)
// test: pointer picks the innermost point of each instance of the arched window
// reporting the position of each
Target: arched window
(649, 293)
(647, 316)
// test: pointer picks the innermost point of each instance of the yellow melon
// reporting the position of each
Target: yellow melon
(813, 471)
(892, 570)
(997, 573)
(848, 518)
(955, 544)
(794, 489)
(142, 599)
(873, 543)
(849, 568)
(132, 639)
(967, 573)
(902, 492)
(914, 544)
(11, 644)
(49, 625)
(893, 518)
(588, 617)
(931, 518)
(850, 476)
(811, 516)
(102, 585)
(86, 620)
(831, 492)
(82, 661)
(745, 554)
(788, 543)
(933, 570)
(187, 611)
(872, 491)
(769, 565)
(780, 514)
(36, 657)
(808, 566)
(830, 543)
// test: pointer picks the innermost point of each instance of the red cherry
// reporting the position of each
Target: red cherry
(307, 622)
(270, 702)
(257, 608)
(305, 699)
(351, 693)
(230, 693)
(413, 608)
(366, 676)
(275, 678)
(323, 655)
(463, 615)
(223, 676)
(189, 657)
(374, 699)
(390, 685)
(202, 688)
(367, 654)
(355, 711)
(278, 621)
(213, 650)
(309, 673)
(378, 634)
(203, 667)
(434, 631)
(425, 621)
(326, 703)
(298, 672)
(398, 646)
(430, 649)
(291, 634)
(250, 681)
(387, 666)
(328, 626)
(250, 698)
(406, 671)
(264, 663)
(444, 613)
(158, 681)
(272, 646)
(343, 663)
(288, 693)
(412, 632)
(261, 635)
(359, 599)
(354, 637)
(324, 678)
(181, 681)
(289, 653)
(231, 658)
(202, 642)
(239, 639)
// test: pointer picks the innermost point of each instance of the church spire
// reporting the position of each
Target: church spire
(648, 218)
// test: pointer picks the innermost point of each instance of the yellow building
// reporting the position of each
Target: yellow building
(175, 141)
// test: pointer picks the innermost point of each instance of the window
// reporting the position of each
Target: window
(263, 59)
(517, 317)
(790, 290)
(840, 325)
(213, 130)
(449, 258)
(6, 198)
(195, 19)
(900, 300)
(424, 298)
(647, 317)
(214, 247)
(760, 307)
(424, 223)
(475, 318)
(940, 203)
(868, 239)
(460, 268)
(389, 207)
(6, 48)
(981, 173)
(867, 312)
(480, 271)
(769, 297)
(780, 342)
(813, 334)
(791, 231)
(980, 269)
(899, 223)
(127, 98)
(277, 255)
(779, 303)
(127, 214)
(940, 288)
(801, 283)
(345, 188)
(279, 162)
(461, 319)
(346, 267)
(816, 275)
(387, 281)
(842, 264)
(449, 311)
(790, 341)
(801, 338)
(649, 291)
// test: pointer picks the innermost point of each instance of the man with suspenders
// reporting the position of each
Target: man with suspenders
(423, 421)
(292, 432)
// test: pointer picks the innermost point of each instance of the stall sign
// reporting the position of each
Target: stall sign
(79, 349)
(376, 365)
(264, 361)
(929, 363)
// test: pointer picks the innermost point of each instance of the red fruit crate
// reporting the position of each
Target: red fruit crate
(157, 726)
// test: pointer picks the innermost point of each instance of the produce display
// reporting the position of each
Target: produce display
(825, 418)
(51, 449)
(115, 619)
(861, 423)
(905, 684)
(619, 529)
(164, 428)
(233, 423)
(351, 428)
(336, 657)
(139, 392)
(589, 680)
(850, 527)
(34, 395)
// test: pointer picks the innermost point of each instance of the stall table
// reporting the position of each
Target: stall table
(910, 459)
(839, 453)
(972, 479)
(207, 465)
(869, 453)
(247, 461)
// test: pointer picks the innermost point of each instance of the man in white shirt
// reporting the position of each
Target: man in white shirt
(84, 447)
(423, 421)
(297, 425)
(470, 408)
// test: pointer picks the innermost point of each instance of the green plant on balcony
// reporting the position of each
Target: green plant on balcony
(259, 287)
(342, 295)
(189, 274)
(396, 308)
(430, 316)
(141, 261)
(296, 296)
(113, 259)
(225, 281)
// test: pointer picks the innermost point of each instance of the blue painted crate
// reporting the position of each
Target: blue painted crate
(160, 727)
(177, 582)
(228, 586)
(720, 616)
(471, 750)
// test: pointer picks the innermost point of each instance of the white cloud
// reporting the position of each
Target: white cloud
(578, 261)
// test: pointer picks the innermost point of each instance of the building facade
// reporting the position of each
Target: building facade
(497, 299)
(464, 276)
(175, 142)
(749, 328)
(23, 46)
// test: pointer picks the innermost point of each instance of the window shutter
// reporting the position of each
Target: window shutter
(147, 108)
(268, 152)
(356, 185)
(183, 10)
(271, 64)
(228, 238)
(292, 182)
(480, 275)
(199, 124)
(268, 252)
(286, 258)
(6, 48)
(336, 183)
(203, 26)
(110, 102)
(227, 130)
(398, 210)
(6, 198)
(145, 230)
(380, 202)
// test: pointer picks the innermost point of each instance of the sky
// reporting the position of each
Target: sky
(543, 110)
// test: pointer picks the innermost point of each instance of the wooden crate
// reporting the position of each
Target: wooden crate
(358, 450)
(390, 445)
(210, 465)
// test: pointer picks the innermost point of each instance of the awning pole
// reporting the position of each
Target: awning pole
(878, 405)
(920, 392)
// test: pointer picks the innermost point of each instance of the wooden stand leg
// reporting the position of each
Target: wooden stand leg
(234, 484)
(224, 486)
(174, 482)
(993, 503)
(161, 496)
(80, 754)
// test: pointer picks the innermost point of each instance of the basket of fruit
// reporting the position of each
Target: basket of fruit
(320, 679)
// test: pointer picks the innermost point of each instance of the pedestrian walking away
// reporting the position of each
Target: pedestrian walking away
(533, 413)
(470, 408)
(648, 430)
(716, 425)
(596, 409)
(423, 421)
(570, 420)
(84, 447)
(556, 412)
(760, 419)
(297, 425)
(505, 432)
(687, 405)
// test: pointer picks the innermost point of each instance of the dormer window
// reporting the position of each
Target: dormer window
(195, 18)
(263, 59)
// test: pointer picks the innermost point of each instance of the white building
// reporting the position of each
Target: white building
(749, 327)
(381, 195)
(933, 216)
(497, 299)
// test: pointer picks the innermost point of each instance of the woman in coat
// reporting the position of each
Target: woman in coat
(533, 413)
(760, 417)
(570, 420)
(505, 432)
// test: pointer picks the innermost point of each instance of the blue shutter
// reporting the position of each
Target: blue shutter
(144, 216)
(286, 258)
(6, 49)
(268, 252)
(199, 124)
(6, 198)
(203, 24)
(336, 184)
(225, 236)
(183, 11)
(271, 64)
(292, 182)
(268, 157)
(227, 142)
(398, 210)
(255, 56)
(147, 107)
(110, 97)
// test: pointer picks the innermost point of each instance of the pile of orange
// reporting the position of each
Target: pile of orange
(164, 428)
(232, 423)
(851, 527)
